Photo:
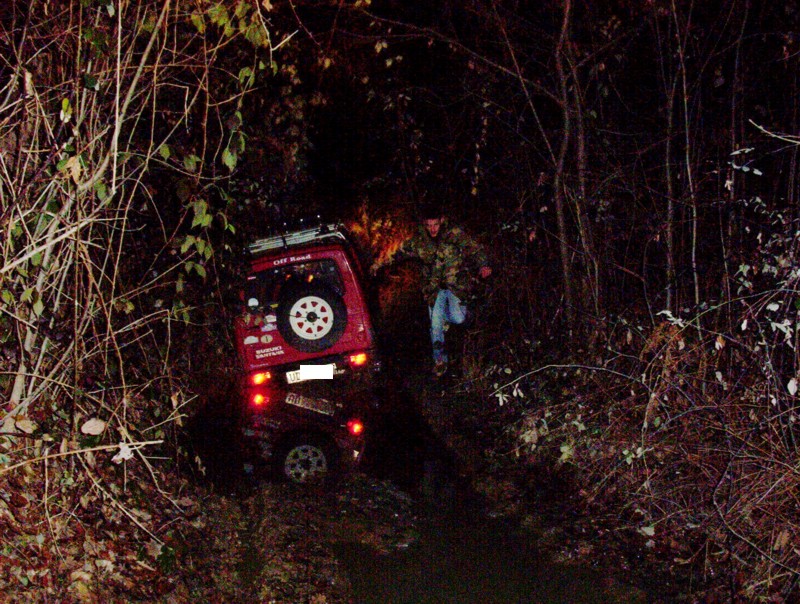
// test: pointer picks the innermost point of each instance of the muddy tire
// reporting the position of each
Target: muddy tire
(306, 459)
(312, 317)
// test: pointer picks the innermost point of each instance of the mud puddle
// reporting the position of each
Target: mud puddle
(460, 554)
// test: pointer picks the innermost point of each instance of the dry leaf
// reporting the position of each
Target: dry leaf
(25, 425)
(125, 453)
(93, 427)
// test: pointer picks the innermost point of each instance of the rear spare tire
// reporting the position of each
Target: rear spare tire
(312, 317)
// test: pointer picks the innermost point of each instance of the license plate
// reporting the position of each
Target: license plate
(319, 405)
(311, 372)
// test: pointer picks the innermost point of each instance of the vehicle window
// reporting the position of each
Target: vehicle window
(264, 289)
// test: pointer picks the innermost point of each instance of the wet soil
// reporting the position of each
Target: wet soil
(408, 527)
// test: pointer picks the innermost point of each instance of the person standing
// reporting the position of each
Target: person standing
(451, 261)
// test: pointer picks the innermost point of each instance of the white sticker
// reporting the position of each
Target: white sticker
(316, 372)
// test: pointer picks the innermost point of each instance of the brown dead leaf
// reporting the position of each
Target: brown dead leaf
(25, 425)
(18, 500)
(82, 592)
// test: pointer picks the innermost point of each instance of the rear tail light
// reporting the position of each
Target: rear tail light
(358, 359)
(259, 399)
(355, 427)
(256, 379)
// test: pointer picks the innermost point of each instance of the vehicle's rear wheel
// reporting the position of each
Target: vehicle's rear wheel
(312, 317)
(306, 459)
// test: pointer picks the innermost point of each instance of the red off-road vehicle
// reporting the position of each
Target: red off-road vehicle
(307, 349)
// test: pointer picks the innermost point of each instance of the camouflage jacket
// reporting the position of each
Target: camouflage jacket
(450, 261)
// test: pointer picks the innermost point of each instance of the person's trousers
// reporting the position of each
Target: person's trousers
(446, 310)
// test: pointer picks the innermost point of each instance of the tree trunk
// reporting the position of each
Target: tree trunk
(558, 178)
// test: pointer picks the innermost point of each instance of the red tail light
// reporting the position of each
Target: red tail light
(357, 360)
(259, 399)
(355, 427)
(257, 379)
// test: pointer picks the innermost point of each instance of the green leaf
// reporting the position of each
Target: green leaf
(149, 24)
(187, 243)
(184, 189)
(246, 76)
(36, 259)
(242, 8)
(190, 162)
(164, 151)
(219, 15)
(101, 190)
(38, 307)
(200, 270)
(27, 295)
(7, 297)
(66, 110)
(229, 158)
(239, 142)
(198, 22)
(256, 35)
(200, 213)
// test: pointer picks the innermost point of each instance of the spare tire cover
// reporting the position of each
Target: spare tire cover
(311, 317)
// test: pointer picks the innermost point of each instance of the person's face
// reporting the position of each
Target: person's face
(432, 225)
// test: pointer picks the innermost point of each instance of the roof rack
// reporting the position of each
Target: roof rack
(286, 240)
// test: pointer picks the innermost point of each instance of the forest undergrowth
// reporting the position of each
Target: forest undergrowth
(684, 437)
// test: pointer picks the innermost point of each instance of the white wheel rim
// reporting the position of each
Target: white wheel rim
(311, 318)
(304, 462)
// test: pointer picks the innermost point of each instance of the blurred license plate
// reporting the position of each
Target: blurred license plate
(320, 405)
(311, 372)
